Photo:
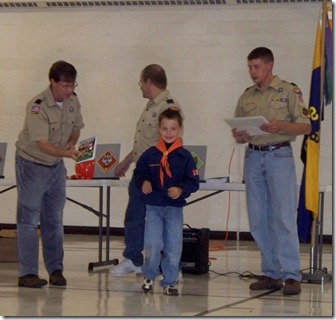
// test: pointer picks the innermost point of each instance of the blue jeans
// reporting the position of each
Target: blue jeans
(163, 243)
(134, 225)
(41, 199)
(271, 193)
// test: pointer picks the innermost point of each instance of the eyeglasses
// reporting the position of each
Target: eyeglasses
(141, 82)
(68, 86)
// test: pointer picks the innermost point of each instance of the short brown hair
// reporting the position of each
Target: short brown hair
(62, 70)
(261, 53)
(156, 74)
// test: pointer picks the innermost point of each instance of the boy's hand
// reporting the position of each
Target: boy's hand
(146, 187)
(174, 192)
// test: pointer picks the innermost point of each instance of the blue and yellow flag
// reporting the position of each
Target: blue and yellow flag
(310, 151)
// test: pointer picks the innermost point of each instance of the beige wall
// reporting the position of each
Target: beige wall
(202, 48)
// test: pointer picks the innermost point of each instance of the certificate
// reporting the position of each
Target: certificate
(249, 124)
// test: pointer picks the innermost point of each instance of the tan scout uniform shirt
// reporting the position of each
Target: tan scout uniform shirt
(281, 101)
(46, 121)
(147, 129)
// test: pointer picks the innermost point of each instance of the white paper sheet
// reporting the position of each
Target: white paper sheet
(249, 124)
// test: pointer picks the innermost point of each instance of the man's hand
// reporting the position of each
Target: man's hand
(71, 153)
(121, 169)
(273, 126)
(240, 136)
(68, 151)
(279, 126)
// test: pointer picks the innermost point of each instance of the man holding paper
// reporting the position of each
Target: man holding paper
(269, 171)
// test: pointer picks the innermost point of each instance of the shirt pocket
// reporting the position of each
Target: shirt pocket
(279, 110)
(250, 110)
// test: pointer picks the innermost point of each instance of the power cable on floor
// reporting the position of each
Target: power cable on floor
(242, 276)
(245, 275)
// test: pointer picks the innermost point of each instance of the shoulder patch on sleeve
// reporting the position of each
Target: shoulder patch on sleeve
(297, 90)
(305, 112)
(35, 109)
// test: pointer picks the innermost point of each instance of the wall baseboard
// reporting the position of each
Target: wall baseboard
(214, 235)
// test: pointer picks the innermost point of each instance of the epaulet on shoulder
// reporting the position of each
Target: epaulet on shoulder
(248, 88)
(38, 101)
(293, 84)
(170, 101)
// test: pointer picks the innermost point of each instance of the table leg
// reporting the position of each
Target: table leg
(107, 261)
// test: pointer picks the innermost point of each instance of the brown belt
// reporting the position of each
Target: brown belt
(269, 147)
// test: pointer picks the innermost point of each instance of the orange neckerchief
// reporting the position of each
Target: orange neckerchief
(164, 160)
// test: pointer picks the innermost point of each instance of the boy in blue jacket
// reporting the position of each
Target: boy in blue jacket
(167, 175)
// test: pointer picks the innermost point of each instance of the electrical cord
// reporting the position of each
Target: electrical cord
(249, 275)
(242, 276)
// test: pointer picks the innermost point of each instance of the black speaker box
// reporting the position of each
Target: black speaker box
(195, 253)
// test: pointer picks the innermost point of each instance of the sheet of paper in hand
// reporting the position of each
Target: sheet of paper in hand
(249, 124)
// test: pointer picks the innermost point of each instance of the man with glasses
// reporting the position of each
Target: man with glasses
(153, 85)
(50, 132)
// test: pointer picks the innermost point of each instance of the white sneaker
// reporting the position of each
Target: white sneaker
(147, 285)
(124, 268)
(170, 291)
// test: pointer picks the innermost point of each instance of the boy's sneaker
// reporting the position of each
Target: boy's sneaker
(147, 285)
(124, 268)
(170, 291)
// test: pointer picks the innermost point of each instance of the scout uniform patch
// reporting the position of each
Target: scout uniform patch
(304, 111)
(35, 109)
(297, 90)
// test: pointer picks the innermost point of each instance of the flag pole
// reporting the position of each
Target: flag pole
(316, 220)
